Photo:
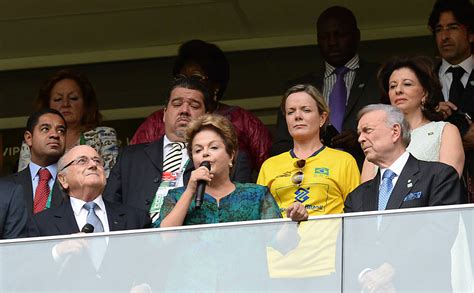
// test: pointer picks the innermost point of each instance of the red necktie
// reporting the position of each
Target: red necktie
(42, 191)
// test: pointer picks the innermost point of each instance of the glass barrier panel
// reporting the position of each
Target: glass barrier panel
(257, 256)
(420, 251)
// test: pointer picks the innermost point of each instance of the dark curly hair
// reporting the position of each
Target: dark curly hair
(92, 117)
(208, 56)
(424, 70)
(463, 11)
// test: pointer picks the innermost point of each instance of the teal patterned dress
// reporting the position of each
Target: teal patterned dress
(246, 203)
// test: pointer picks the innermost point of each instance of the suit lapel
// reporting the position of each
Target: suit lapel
(57, 195)
(115, 216)
(408, 178)
(468, 94)
(24, 179)
(154, 151)
(371, 196)
(64, 219)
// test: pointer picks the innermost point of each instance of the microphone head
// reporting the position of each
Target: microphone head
(206, 164)
(88, 228)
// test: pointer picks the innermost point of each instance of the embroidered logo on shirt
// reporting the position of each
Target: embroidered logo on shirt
(301, 194)
(321, 171)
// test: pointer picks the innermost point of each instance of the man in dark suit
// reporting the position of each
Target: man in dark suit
(81, 174)
(45, 136)
(401, 182)
(338, 39)
(13, 215)
(452, 25)
(384, 135)
(145, 172)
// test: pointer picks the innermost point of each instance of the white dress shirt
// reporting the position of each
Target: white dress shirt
(396, 167)
(446, 78)
(349, 77)
(80, 213)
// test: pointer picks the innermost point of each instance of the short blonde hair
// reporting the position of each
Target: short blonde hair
(313, 93)
(217, 123)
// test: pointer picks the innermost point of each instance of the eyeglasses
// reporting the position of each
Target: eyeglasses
(84, 161)
(297, 178)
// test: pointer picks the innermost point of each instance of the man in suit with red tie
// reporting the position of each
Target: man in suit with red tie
(45, 136)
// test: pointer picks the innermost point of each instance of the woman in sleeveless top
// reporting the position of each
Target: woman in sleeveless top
(411, 85)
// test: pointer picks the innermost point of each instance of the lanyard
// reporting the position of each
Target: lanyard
(50, 196)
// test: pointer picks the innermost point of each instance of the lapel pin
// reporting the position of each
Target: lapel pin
(409, 184)
(430, 133)
(361, 85)
(471, 82)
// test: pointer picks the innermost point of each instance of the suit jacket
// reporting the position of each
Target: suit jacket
(13, 215)
(408, 242)
(467, 106)
(76, 270)
(23, 178)
(137, 175)
(61, 220)
(364, 91)
(420, 184)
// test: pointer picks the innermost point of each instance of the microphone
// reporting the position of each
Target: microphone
(201, 186)
(88, 228)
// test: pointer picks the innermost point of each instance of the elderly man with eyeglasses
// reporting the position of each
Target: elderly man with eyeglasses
(82, 177)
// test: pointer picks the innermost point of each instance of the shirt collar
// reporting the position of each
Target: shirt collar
(77, 204)
(352, 64)
(398, 165)
(167, 142)
(34, 169)
(467, 65)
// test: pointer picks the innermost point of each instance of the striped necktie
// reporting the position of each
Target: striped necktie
(173, 158)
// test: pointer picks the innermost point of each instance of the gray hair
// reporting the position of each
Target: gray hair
(394, 116)
(62, 163)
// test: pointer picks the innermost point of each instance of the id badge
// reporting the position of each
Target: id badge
(169, 180)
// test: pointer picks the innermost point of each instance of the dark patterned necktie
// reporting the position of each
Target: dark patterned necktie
(338, 98)
(42, 191)
(457, 88)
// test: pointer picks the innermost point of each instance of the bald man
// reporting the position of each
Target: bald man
(81, 175)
